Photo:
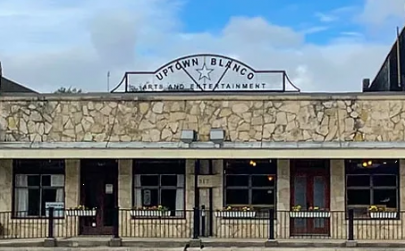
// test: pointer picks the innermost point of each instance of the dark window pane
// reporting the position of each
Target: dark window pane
(263, 197)
(149, 180)
(380, 166)
(161, 166)
(387, 197)
(263, 180)
(53, 167)
(358, 197)
(237, 180)
(169, 180)
(358, 181)
(237, 197)
(48, 195)
(150, 197)
(46, 180)
(385, 180)
(33, 180)
(169, 198)
(250, 166)
(34, 200)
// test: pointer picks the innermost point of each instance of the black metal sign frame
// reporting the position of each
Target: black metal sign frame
(179, 64)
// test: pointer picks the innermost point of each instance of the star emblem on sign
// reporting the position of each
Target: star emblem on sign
(204, 72)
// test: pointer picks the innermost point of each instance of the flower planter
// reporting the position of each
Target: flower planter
(383, 215)
(310, 214)
(81, 213)
(149, 213)
(235, 214)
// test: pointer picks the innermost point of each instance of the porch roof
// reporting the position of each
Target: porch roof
(202, 150)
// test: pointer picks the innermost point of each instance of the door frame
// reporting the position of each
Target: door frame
(305, 167)
(110, 169)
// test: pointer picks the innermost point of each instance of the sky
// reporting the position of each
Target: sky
(325, 46)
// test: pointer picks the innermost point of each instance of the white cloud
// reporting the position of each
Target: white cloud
(325, 18)
(379, 12)
(49, 45)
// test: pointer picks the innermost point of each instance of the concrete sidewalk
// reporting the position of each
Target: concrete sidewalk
(156, 244)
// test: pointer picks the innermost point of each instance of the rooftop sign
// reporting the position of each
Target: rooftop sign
(205, 72)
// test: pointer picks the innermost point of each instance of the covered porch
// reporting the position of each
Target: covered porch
(199, 189)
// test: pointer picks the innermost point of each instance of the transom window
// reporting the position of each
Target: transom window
(37, 183)
(372, 182)
(250, 183)
(160, 182)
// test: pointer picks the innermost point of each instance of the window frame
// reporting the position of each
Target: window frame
(42, 167)
(167, 164)
(250, 187)
(371, 187)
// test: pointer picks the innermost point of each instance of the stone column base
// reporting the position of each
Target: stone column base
(271, 243)
(115, 242)
(50, 242)
(195, 243)
(351, 244)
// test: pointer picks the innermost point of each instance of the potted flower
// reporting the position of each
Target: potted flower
(82, 211)
(377, 212)
(153, 211)
(235, 212)
(312, 212)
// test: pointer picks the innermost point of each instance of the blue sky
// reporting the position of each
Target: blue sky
(323, 45)
(323, 21)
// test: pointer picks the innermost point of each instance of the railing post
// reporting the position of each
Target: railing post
(196, 225)
(203, 220)
(50, 240)
(351, 225)
(50, 222)
(116, 241)
(271, 224)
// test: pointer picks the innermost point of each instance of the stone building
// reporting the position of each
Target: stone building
(310, 157)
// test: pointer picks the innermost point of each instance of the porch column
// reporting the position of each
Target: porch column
(283, 185)
(190, 184)
(72, 183)
(125, 183)
(402, 184)
(283, 198)
(218, 190)
(337, 198)
(337, 185)
(72, 195)
(6, 185)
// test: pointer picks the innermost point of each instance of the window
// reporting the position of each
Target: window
(250, 183)
(160, 182)
(371, 182)
(36, 183)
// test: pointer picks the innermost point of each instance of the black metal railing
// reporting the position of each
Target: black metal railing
(196, 223)
(156, 224)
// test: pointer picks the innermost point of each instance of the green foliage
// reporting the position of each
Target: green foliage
(68, 90)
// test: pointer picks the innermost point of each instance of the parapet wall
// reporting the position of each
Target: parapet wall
(245, 117)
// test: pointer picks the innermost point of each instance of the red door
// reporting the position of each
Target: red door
(310, 181)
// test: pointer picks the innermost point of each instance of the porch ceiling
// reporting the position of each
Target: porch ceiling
(202, 150)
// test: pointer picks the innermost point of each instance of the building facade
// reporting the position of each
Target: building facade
(311, 158)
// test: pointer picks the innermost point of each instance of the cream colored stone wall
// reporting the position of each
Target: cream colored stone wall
(6, 185)
(263, 118)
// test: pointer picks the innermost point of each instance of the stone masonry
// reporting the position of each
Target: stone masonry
(298, 117)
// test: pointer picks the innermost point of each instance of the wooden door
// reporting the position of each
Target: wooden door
(310, 181)
(99, 180)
